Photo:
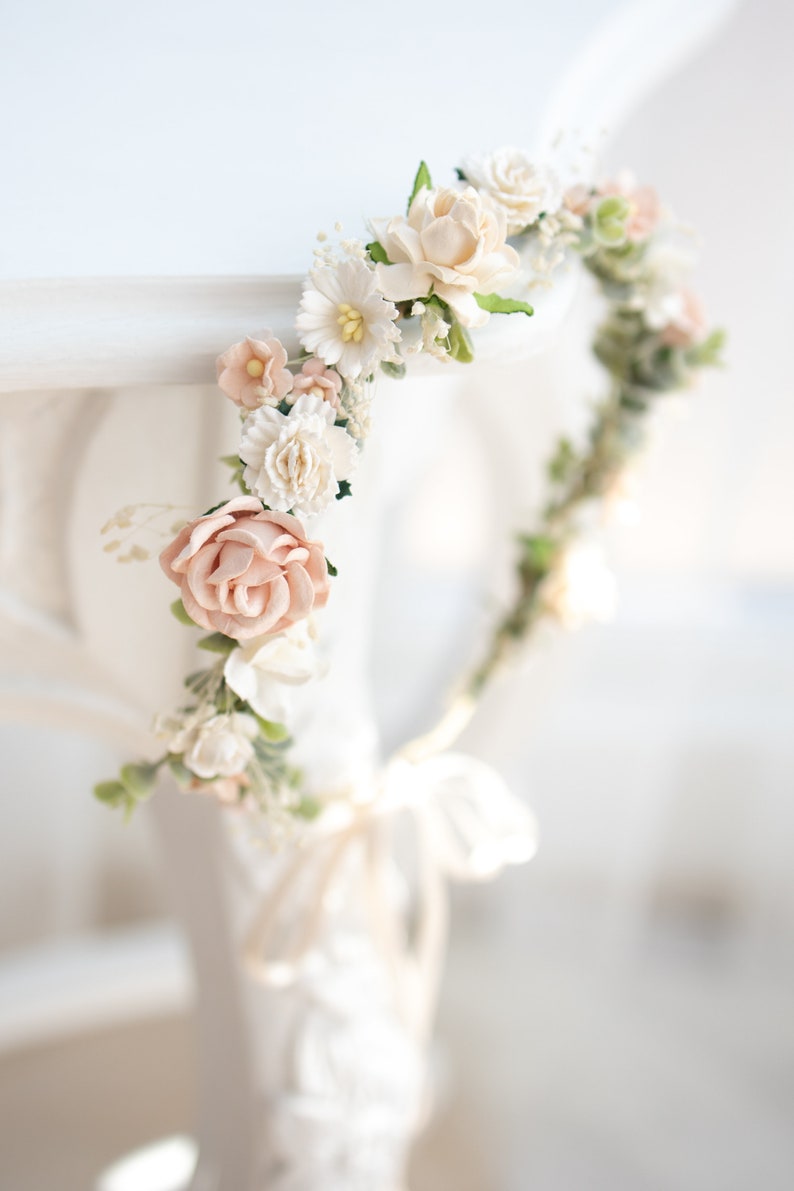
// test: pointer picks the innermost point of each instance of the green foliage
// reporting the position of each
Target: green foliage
(562, 462)
(308, 808)
(609, 220)
(178, 610)
(392, 369)
(332, 571)
(344, 489)
(459, 344)
(497, 305)
(378, 253)
(422, 179)
(709, 352)
(272, 732)
(218, 643)
(180, 772)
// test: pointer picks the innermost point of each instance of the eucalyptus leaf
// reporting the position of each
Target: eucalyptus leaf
(178, 610)
(332, 571)
(182, 775)
(139, 778)
(217, 643)
(392, 369)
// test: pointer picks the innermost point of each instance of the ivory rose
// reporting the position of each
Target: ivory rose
(452, 241)
(245, 571)
(254, 372)
(519, 189)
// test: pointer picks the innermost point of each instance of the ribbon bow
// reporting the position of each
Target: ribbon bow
(465, 826)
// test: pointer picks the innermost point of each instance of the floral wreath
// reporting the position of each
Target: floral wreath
(249, 573)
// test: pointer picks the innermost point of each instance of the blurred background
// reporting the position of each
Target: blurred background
(618, 1013)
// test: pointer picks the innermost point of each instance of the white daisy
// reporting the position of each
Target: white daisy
(345, 321)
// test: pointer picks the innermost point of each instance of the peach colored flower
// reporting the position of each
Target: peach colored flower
(245, 571)
(322, 382)
(688, 325)
(645, 209)
(252, 373)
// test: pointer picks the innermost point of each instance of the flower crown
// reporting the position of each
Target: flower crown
(248, 571)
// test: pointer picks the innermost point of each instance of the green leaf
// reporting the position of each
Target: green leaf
(344, 489)
(218, 643)
(378, 253)
(461, 176)
(497, 305)
(391, 369)
(139, 778)
(308, 808)
(182, 775)
(422, 179)
(707, 353)
(178, 610)
(274, 733)
(112, 794)
(233, 461)
(460, 345)
(332, 571)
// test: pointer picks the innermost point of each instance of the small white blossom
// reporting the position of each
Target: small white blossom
(581, 587)
(295, 461)
(211, 745)
(263, 671)
(345, 320)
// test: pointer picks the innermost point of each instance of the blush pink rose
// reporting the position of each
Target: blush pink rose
(322, 382)
(253, 371)
(246, 571)
(689, 325)
(645, 209)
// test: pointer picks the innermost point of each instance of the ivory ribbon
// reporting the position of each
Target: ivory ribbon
(466, 826)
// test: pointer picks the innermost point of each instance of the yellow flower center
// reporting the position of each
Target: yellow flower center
(255, 368)
(352, 323)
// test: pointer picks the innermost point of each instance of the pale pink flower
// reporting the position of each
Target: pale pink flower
(245, 571)
(253, 372)
(314, 378)
(577, 199)
(645, 209)
(688, 325)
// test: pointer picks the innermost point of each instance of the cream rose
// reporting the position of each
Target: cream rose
(221, 746)
(264, 671)
(520, 190)
(453, 242)
(246, 571)
(296, 460)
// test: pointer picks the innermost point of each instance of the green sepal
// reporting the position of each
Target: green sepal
(344, 489)
(332, 571)
(421, 180)
(178, 610)
(218, 643)
(378, 253)
(460, 345)
(496, 305)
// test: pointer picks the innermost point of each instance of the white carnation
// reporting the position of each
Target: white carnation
(295, 461)
(517, 187)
